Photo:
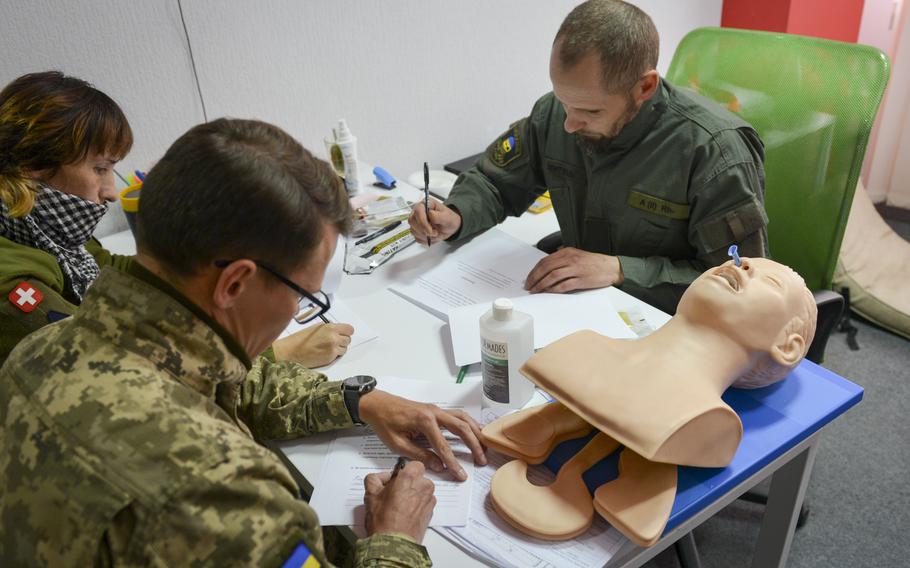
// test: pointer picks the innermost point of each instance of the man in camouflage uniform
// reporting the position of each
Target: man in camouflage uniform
(129, 428)
(650, 184)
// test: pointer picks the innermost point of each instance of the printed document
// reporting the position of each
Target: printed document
(555, 316)
(338, 494)
(492, 265)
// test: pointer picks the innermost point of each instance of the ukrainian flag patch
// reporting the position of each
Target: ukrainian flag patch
(301, 558)
(506, 148)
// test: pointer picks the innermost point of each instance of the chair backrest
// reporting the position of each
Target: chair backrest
(813, 102)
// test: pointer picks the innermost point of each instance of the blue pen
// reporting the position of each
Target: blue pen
(140, 175)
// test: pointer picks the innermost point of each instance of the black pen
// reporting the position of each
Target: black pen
(426, 196)
(399, 465)
(375, 234)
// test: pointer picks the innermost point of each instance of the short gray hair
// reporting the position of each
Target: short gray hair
(623, 36)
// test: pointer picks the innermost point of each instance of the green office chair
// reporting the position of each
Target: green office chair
(812, 102)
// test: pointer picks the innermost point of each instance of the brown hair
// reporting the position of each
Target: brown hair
(232, 189)
(623, 36)
(48, 120)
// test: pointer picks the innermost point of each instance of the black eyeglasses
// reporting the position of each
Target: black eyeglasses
(309, 306)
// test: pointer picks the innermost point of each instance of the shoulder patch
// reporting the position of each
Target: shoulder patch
(301, 557)
(658, 206)
(506, 148)
(25, 297)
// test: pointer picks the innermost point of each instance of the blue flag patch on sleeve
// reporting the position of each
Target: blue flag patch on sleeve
(301, 558)
(507, 148)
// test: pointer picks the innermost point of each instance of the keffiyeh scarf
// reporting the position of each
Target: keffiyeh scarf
(59, 224)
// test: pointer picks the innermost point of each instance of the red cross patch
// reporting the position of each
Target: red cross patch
(25, 297)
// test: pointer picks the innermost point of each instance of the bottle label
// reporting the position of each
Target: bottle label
(495, 369)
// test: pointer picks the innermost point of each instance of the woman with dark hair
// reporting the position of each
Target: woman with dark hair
(59, 140)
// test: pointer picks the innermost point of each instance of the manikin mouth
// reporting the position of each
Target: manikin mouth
(730, 276)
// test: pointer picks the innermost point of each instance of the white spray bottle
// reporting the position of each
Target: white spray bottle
(347, 143)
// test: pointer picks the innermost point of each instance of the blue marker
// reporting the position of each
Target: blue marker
(140, 175)
(733, 253)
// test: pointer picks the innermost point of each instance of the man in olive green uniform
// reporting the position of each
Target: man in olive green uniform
(23, 269)
(130, 428)
(650, 184)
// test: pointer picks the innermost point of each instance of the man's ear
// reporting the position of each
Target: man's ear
(790, 351)
(646, 86)
(232, 283)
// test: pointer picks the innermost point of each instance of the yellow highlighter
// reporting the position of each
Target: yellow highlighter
(392, 241)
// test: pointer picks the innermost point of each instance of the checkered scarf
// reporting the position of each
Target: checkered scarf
(59, 224)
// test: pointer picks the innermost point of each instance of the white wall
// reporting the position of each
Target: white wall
(417, 80)
(879, 27)
(889, 169)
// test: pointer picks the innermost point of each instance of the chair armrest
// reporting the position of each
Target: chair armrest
(551, 243)
(463, 164)
(830, 308)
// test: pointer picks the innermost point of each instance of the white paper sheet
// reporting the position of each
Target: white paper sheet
(492, 265)
(493, 540)
(338, 313)
(555, 316)
(338, 494)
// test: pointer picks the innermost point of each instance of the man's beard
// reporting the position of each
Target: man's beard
(600, 143)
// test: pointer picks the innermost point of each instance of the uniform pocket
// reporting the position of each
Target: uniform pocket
(598, 236)
(648, 236)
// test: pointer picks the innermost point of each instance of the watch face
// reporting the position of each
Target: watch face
(360, 382)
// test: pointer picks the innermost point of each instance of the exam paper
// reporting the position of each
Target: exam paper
(338, 313)
(492, 265)
(353, 454)
(555, 316)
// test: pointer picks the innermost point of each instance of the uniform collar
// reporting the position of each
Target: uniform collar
(141, 313)
(642, 123)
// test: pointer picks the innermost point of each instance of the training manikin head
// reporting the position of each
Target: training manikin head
(763, 305)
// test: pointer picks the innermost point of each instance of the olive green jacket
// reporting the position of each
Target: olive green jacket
(128, 439)
(40, 270)
(679, 184)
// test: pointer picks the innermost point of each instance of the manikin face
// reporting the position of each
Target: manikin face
(752, 303)
(91, 179)
(591, 112)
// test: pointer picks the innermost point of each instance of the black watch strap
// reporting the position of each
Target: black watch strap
(352, 403)
(353, 388)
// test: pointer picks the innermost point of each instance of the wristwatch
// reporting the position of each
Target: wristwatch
(353, 388)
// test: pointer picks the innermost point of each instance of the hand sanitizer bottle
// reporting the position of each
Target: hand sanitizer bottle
(506, 342)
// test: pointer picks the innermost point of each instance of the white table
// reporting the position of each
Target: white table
(414, 344)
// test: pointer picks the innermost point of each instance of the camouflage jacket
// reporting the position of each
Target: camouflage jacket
(680, 183)
(22, 265)
(126, 438)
